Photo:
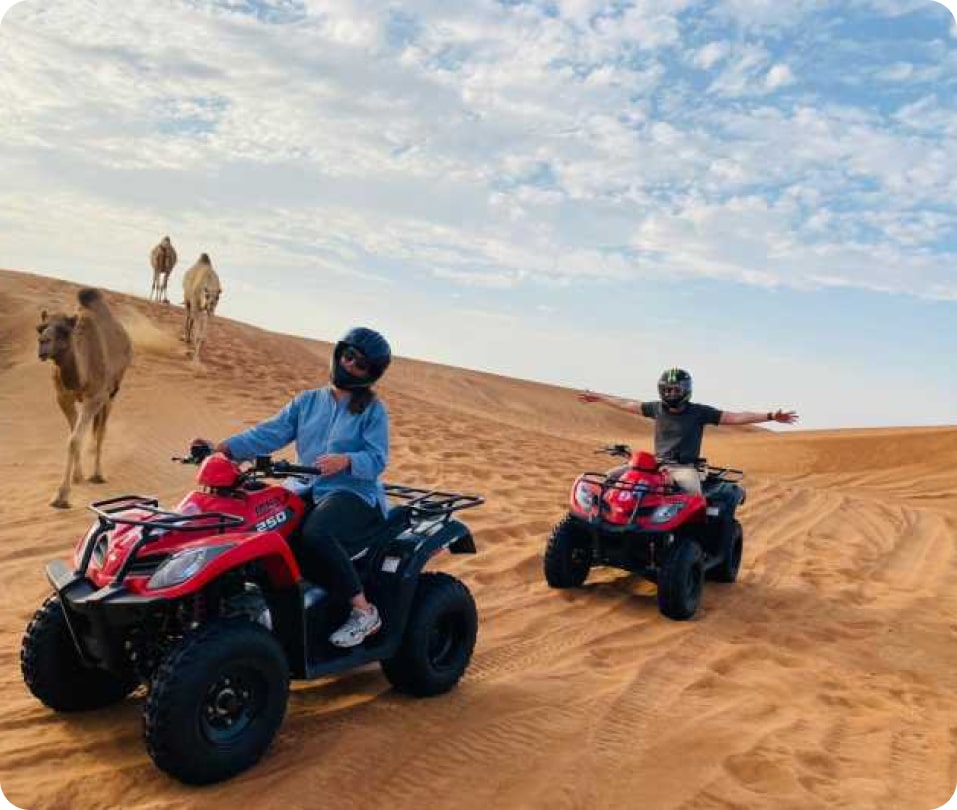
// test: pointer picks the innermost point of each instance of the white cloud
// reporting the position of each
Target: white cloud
(709, 55)
(778, 76)
(743, 73)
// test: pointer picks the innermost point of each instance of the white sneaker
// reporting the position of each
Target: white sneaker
(358, 627)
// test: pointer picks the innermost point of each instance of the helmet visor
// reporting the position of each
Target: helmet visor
(355, 361)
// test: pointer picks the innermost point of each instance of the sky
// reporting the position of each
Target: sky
(580, 192)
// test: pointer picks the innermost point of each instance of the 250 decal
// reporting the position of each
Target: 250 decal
(273, 521)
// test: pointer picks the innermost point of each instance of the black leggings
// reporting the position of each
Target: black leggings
(328, 540)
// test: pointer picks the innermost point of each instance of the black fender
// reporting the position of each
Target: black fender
(414, 549)
(450, 534)
(723, 501)
(727, 497)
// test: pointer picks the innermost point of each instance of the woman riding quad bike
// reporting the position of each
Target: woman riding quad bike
(216, 603)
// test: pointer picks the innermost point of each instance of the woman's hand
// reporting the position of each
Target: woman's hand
(333, 463)
(199, 443)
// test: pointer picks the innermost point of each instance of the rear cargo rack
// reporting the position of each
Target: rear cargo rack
(432, 503)
(728, 474)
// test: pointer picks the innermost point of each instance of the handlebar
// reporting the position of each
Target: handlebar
(725, 473)
(424, 503)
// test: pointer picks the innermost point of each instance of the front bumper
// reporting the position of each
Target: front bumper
(98, 618)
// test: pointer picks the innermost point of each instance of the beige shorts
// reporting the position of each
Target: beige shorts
(686, 477)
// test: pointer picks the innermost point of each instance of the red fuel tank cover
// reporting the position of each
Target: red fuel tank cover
(218, 472)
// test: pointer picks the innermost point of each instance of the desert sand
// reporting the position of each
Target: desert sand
(825, 677)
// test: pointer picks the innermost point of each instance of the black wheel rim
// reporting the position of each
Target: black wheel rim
(231, 705)
(579, 557)
(445, 641)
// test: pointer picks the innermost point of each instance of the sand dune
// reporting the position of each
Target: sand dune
(826, 677)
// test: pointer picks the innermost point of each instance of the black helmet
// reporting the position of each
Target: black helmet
(674, 387)
(373, 347)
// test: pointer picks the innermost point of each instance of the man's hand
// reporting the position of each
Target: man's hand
(784, 417)
(333, 463)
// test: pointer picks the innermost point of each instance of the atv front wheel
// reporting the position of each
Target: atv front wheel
(217, 701)
(54, 672)
(680, 581)
(567, 555)
(732, 546)
(439, 638)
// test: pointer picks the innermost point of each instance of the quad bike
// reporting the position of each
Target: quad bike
(633, 517)
(205, 604)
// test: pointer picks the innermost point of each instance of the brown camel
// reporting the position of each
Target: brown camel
(90, 351)
(201, 291)
(163, 260)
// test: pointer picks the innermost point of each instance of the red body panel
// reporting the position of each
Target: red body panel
(270, 515)
(641, 483)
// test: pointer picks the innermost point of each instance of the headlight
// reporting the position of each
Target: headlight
(666, 513)
(183, 565)
(584, 496)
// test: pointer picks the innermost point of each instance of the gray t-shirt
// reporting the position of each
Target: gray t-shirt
(678, 435)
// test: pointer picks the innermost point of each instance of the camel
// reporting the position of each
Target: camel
(91, 351)
(163, 260)
(201, 291)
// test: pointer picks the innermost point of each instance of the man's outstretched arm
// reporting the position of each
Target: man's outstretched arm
(629, 405)
(754, 418)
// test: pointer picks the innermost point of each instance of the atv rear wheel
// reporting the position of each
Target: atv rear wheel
(217, 701)
(439, 638)
(567, 555)
(54, 672)
(680, 581)
(732, 546)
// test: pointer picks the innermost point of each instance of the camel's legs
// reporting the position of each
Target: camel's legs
(67, 403)
(188, 327)
(99, 433)
(87, 411)
(154, 292)
(163, 295)
(202, 323)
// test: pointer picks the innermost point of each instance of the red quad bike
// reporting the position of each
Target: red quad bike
(205, 604)
(635, 518)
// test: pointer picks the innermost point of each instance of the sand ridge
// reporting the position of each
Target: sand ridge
(826, 677)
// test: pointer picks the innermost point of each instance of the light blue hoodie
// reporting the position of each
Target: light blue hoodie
(322, 425)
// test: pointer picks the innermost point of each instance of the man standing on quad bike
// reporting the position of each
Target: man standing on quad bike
(343, 429)
(680, 423)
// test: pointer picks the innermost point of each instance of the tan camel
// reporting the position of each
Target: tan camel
(201, 291)
(90, 351)
(163, 260)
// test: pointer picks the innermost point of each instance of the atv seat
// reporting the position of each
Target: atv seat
(370, 545)
(398, 520)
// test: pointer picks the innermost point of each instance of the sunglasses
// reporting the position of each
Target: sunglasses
(356, 358)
